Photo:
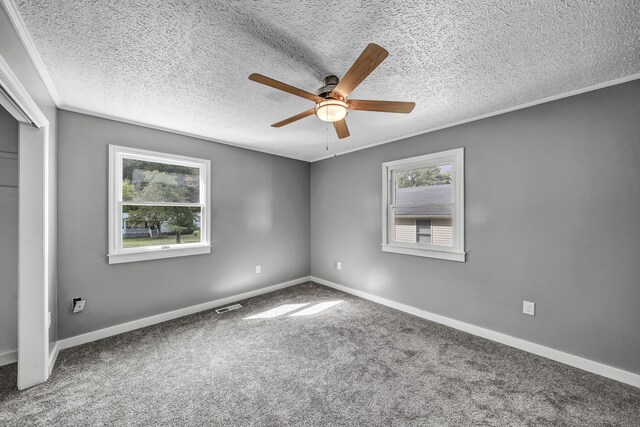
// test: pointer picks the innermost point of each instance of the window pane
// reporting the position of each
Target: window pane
(160, 225)
(159, 182)
(424, 185)
(417, 228)
(423, 212)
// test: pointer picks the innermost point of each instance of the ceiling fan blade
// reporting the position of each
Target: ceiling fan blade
(259, 78)
(369, 59)
(341, 128)
(294, 118)
(381, 106)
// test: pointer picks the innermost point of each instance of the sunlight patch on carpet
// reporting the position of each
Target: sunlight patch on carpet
(315, 309)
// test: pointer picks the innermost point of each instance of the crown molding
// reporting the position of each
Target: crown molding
(387, 141)
(495, 113)
(21, 29)
(29, 45)
(86, 112)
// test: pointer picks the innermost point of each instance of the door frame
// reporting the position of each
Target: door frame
(34, 189)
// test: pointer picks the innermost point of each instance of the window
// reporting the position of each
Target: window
(158, 205)
(423, 206)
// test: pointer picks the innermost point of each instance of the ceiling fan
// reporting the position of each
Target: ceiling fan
(332, 102)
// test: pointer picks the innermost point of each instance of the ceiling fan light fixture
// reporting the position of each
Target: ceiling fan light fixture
(332, 110)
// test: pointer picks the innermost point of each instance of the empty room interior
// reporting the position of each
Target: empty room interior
(314, 213)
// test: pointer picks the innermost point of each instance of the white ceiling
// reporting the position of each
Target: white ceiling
(183, 65)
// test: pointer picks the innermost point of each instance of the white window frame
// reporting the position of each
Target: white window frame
(118, 254)
(454, 253)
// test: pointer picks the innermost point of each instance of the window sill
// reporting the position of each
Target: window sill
(427, 253)
(149, 254)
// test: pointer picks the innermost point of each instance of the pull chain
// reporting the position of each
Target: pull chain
(327, 147)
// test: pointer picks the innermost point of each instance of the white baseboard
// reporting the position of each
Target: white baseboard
(12, 357)
(8, 357)
(152, 320)
(540, 350)
(53, 355)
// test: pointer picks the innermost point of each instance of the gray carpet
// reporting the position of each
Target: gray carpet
(356, 363)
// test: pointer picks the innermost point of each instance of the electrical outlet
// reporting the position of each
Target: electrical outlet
(338, 265)
(529, 308)
(48, 320)
(258, 269)
(78, 305)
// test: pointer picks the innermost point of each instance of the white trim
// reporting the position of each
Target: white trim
(456, 158)
(427, 253)
(33, 256)
(173, 131)
(33, 225)
(158, 157)
(8, 357)
(149, 254)
(38, 64)
(603, 85)
(371, 297)
(386, 141)
(116, 253)
(540, 350)
(25, 37)
(53, 356)
(152, 320)
(30, 47)
(17, 101)
(487, 115)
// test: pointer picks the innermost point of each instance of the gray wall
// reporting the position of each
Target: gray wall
(12, 50)
(8, 132)
(8, 233)
(260, 215)
(552, 216)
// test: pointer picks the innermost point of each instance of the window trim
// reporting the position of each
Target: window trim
(456, 252)
(117, 254)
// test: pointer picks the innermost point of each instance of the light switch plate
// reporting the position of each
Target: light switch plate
(258, 269)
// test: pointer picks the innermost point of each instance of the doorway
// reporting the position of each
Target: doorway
(35, 214)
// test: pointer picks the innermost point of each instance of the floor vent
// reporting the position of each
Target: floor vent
(228, 308)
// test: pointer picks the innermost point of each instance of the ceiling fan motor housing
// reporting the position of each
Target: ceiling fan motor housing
(328, 84)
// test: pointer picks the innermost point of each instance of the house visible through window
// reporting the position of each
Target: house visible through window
(158, 205)
(424, 206)
(423, 231)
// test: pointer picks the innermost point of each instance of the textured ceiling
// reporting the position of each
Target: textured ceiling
(184, 65)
